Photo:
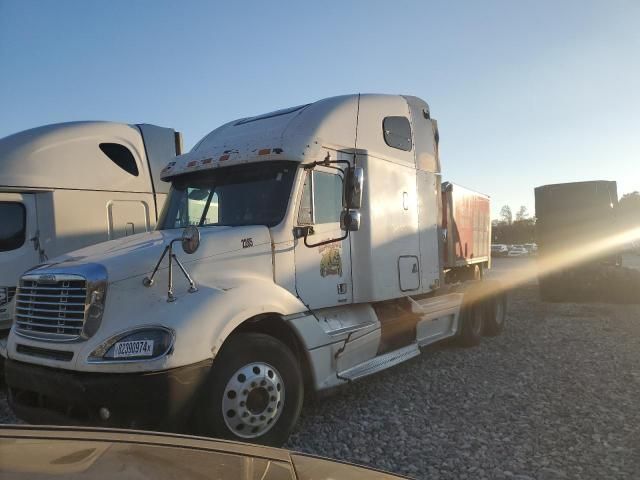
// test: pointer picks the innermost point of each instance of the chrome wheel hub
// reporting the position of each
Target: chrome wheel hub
(253, 400)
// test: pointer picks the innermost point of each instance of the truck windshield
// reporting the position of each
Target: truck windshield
(249, 194)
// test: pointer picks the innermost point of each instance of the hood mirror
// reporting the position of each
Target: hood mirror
(190, 239)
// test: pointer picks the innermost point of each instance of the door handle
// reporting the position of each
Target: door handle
(342, 292)
(126, 229)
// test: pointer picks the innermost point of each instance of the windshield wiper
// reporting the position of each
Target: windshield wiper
(206, 208)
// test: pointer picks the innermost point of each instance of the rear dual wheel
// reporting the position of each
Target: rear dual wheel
(472, 324)
(495, 315)
(482, 316)
(254, 392)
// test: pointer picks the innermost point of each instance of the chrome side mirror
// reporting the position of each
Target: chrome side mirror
(190, 239)
(353, 187)
(350, 220)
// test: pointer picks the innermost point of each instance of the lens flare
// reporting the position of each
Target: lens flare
(558, 261)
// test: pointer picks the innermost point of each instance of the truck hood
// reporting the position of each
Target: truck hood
(137, 254)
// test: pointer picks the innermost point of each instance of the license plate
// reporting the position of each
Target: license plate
(134, 348)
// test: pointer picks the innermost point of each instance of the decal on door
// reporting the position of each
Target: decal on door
(331, 261)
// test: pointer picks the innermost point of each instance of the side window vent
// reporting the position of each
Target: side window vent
(121, 156)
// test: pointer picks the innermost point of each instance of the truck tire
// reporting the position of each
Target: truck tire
(254, 392)
(472, 321)
(495, 310)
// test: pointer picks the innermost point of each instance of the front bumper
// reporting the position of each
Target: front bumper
(154, 400)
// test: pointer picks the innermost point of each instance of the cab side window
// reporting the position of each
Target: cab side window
(327, 197)
(321, 200)
(12, 226)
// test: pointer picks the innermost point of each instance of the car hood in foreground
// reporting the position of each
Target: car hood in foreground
(79, 453)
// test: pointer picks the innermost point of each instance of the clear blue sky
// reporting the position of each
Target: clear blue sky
(525, 92)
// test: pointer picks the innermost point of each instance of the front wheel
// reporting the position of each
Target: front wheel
(254, 393)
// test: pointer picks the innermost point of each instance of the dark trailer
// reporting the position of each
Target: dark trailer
(571, 217)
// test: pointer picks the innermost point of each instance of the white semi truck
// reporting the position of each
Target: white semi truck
(68, 185)
(313, 254)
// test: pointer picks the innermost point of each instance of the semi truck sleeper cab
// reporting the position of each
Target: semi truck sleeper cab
(313, 254)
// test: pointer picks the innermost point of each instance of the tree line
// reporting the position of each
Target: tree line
(512, 231)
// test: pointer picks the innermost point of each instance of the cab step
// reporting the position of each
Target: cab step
(381, 362)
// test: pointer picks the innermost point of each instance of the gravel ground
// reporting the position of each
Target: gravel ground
(554, 397)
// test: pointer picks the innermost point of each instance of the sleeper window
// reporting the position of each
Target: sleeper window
(397, 132)
(121, 156)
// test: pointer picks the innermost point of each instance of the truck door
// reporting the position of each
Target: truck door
(323, 273)
(128, 217)
(17, 253)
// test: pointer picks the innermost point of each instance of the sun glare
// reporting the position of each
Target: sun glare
(561, 260)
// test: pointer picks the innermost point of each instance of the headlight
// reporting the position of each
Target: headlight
(142, 344)
(95, 309)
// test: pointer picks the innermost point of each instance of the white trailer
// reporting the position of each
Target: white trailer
(69, 185)
(312, 255)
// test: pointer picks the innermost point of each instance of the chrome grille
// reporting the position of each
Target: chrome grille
(51, 306)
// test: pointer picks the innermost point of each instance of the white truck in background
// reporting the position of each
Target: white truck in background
(68, 185)
(316, 250)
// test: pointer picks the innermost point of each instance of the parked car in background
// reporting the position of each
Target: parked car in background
(499, 250)
(532, 248)
(518, 251)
